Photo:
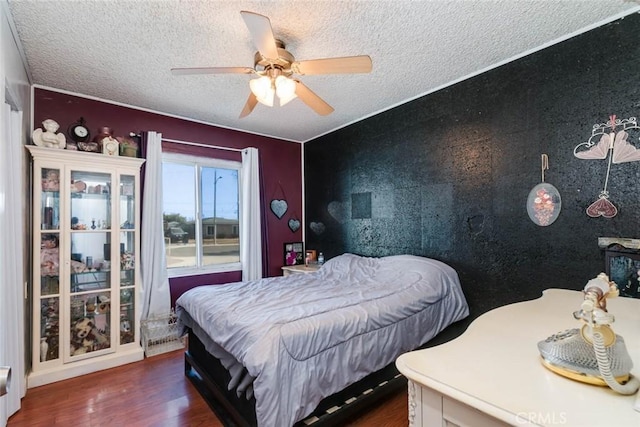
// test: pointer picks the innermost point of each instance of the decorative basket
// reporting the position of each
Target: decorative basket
(160, 334)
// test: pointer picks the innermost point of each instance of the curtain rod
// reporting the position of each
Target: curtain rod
(196, 144)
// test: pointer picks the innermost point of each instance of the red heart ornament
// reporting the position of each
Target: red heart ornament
(602, 207)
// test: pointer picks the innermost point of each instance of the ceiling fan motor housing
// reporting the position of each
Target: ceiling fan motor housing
(282, 62)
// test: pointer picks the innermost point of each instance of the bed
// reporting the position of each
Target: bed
(271, 351)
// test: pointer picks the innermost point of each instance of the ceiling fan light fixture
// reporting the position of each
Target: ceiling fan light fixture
(285, 89)
(263, 90)
(275, 67)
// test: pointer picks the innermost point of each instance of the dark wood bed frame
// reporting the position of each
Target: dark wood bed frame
(210, 379)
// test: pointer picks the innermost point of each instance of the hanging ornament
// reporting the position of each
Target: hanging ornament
(544, 202)
(614, 145)
(279, 206)
(602, 207)
(294, 222)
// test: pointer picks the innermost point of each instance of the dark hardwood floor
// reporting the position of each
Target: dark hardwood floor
(153, 392)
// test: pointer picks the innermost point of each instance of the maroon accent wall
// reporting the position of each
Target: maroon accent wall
(180, 285)
(280, 161)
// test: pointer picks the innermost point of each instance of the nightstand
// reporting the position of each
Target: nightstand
(299, 269)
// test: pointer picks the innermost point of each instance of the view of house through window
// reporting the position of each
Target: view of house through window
(201, 212)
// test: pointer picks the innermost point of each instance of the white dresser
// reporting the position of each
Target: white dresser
(492, 375)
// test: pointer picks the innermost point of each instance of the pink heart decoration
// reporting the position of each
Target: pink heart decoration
(602, 207)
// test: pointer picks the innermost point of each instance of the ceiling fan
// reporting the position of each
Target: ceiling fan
(275, 68)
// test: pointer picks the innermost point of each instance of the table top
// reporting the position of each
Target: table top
(495, 365)
(302, 268)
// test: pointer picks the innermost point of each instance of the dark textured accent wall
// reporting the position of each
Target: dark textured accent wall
(447, 175)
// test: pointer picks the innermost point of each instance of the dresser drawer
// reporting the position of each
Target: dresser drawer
(456, 414)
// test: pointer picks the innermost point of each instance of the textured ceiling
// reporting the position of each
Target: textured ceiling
(123, 50)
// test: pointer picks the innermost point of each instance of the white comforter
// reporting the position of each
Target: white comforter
(306, 336)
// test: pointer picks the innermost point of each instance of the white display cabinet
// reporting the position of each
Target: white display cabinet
(86, 276)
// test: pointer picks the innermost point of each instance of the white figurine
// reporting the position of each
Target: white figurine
(49, 138)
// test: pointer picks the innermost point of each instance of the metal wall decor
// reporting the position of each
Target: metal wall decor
(614, 145)
(294, 224)
(544, 202)
(279, 206)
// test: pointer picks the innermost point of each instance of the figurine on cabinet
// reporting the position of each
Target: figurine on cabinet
(127, 261)
(128, 147)
(126, 332)
(49, 138)
(85, 337)
(103, 304)
(50, 180)
(125, 324)
(49, 255)
(97, 145)
(103, 132)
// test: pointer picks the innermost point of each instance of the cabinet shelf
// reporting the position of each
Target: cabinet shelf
(91, 196)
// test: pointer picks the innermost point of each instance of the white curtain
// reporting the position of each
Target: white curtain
(251, 231)
(12, 336)
(156, 295)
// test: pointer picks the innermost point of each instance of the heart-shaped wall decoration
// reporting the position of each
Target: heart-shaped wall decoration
(317, 227)
(279, 207)
(294, 224)
(338, 211)
(602, 207)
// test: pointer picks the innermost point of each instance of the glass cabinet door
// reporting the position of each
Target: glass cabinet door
(127, 217)
(49, 264)
(90, 263)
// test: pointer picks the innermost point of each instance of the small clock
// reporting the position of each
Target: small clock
(79, 131)
(109, 146)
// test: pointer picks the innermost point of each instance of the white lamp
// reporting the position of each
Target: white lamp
(263, 90)
(265, 87)
(285, 89)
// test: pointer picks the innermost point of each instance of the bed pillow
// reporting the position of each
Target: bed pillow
(350, 265)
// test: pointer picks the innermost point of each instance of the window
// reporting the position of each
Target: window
(201, 211)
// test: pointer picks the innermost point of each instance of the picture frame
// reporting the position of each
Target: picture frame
(622, 265)
(310, 256)
(294, 253)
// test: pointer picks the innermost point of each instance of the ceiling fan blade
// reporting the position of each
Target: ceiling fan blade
(343, 65)
(211, 70)
(262, 34)
(252, 101)
(316, 103)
